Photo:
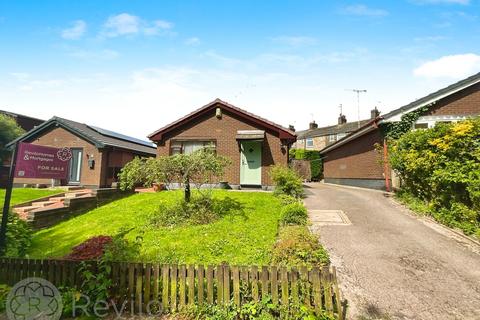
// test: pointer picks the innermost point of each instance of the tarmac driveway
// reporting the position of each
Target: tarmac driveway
(392, 264)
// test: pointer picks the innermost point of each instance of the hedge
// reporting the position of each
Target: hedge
(316, 164)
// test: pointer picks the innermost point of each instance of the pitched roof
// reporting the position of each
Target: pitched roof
(283, 132)
(17, 115)
(397, 113)
(101, 138)
(323, 131)
(435, 96)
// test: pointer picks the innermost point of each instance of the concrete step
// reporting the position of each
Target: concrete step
(56, 199)
(42, 203)
(55, 205)
(77, 194)
(24, 209)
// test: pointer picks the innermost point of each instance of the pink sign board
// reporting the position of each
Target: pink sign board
(34, 161)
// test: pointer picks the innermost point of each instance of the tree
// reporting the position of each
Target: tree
(198, 168)
(9, 130)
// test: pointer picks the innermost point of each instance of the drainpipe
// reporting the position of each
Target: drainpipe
(385, 165)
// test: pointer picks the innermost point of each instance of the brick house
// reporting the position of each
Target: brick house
(252, 143)
(98, 154)
(315, 138)
(354, 160)
(26, 123)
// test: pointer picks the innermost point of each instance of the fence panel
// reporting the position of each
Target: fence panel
(174, 287)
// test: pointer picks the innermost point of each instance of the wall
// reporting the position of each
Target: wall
(356, 159)
(59, 137)
(224, 131)
(318, 143)
(463, 103)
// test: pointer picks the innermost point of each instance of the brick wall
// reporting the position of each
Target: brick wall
(464, 103)
(59, 137)
(224, 131)
(356, 159)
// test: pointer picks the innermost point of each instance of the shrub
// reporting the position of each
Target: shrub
(122, 249)
(199, 210)
(19, 236)
(286, 199)
(296, 246)
(90, 249)
(4, 290)
(441, 167)
(286, 181)
(294, 213)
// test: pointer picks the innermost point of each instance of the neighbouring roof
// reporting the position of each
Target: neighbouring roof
(283, 132)
(433, 97)
(397, 113)
(335, 129)
(17, 115)
(101, 138)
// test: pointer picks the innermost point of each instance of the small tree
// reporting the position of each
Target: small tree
(198, 168)
(9, 130)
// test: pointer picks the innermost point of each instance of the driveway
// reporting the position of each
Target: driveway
(392, 264)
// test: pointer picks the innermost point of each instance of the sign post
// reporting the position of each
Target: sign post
(6, 203)
(36, 162)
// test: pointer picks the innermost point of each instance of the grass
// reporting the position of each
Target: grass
(233, 239)
(20, 195)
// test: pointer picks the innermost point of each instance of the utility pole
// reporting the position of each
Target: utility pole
(358, 91)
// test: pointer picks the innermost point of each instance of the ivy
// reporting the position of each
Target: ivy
(394, 130)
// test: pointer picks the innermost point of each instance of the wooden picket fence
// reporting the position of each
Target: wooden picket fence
(175, 286)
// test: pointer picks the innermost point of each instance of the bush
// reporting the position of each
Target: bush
(441, 167)
(286, 199)
(19, 236)
(296, 246)
(4, 290)
(294, 213)
(199, 210)
(286, 181)
(121, 249)
(90, 249)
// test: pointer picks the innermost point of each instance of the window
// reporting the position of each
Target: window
(341, 135)
(190, 146)
(309, 143)
(421, 126)
(332, 138)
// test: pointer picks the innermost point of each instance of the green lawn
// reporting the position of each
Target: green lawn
(20, 195)
(233, 239)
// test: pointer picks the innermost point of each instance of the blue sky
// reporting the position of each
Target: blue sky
(134, 66)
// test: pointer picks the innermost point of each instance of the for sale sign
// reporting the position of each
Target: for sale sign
(34, 161)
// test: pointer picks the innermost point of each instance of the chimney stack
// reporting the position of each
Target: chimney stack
(342, 119)
(374, 113)
(291, 127)
(313, 125)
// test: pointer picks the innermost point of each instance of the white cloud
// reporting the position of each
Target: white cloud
(453, 66)
(125, 24)
(363, 10)
(78, 29)
(295, 41)
(193, 41)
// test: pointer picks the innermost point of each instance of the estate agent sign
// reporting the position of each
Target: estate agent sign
(34, 161)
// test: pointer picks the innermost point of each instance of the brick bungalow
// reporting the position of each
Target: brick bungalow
(98, 154)
(27, 123)
(252, 143)
(354, 160)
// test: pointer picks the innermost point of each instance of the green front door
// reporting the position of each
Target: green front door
(251, 163)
